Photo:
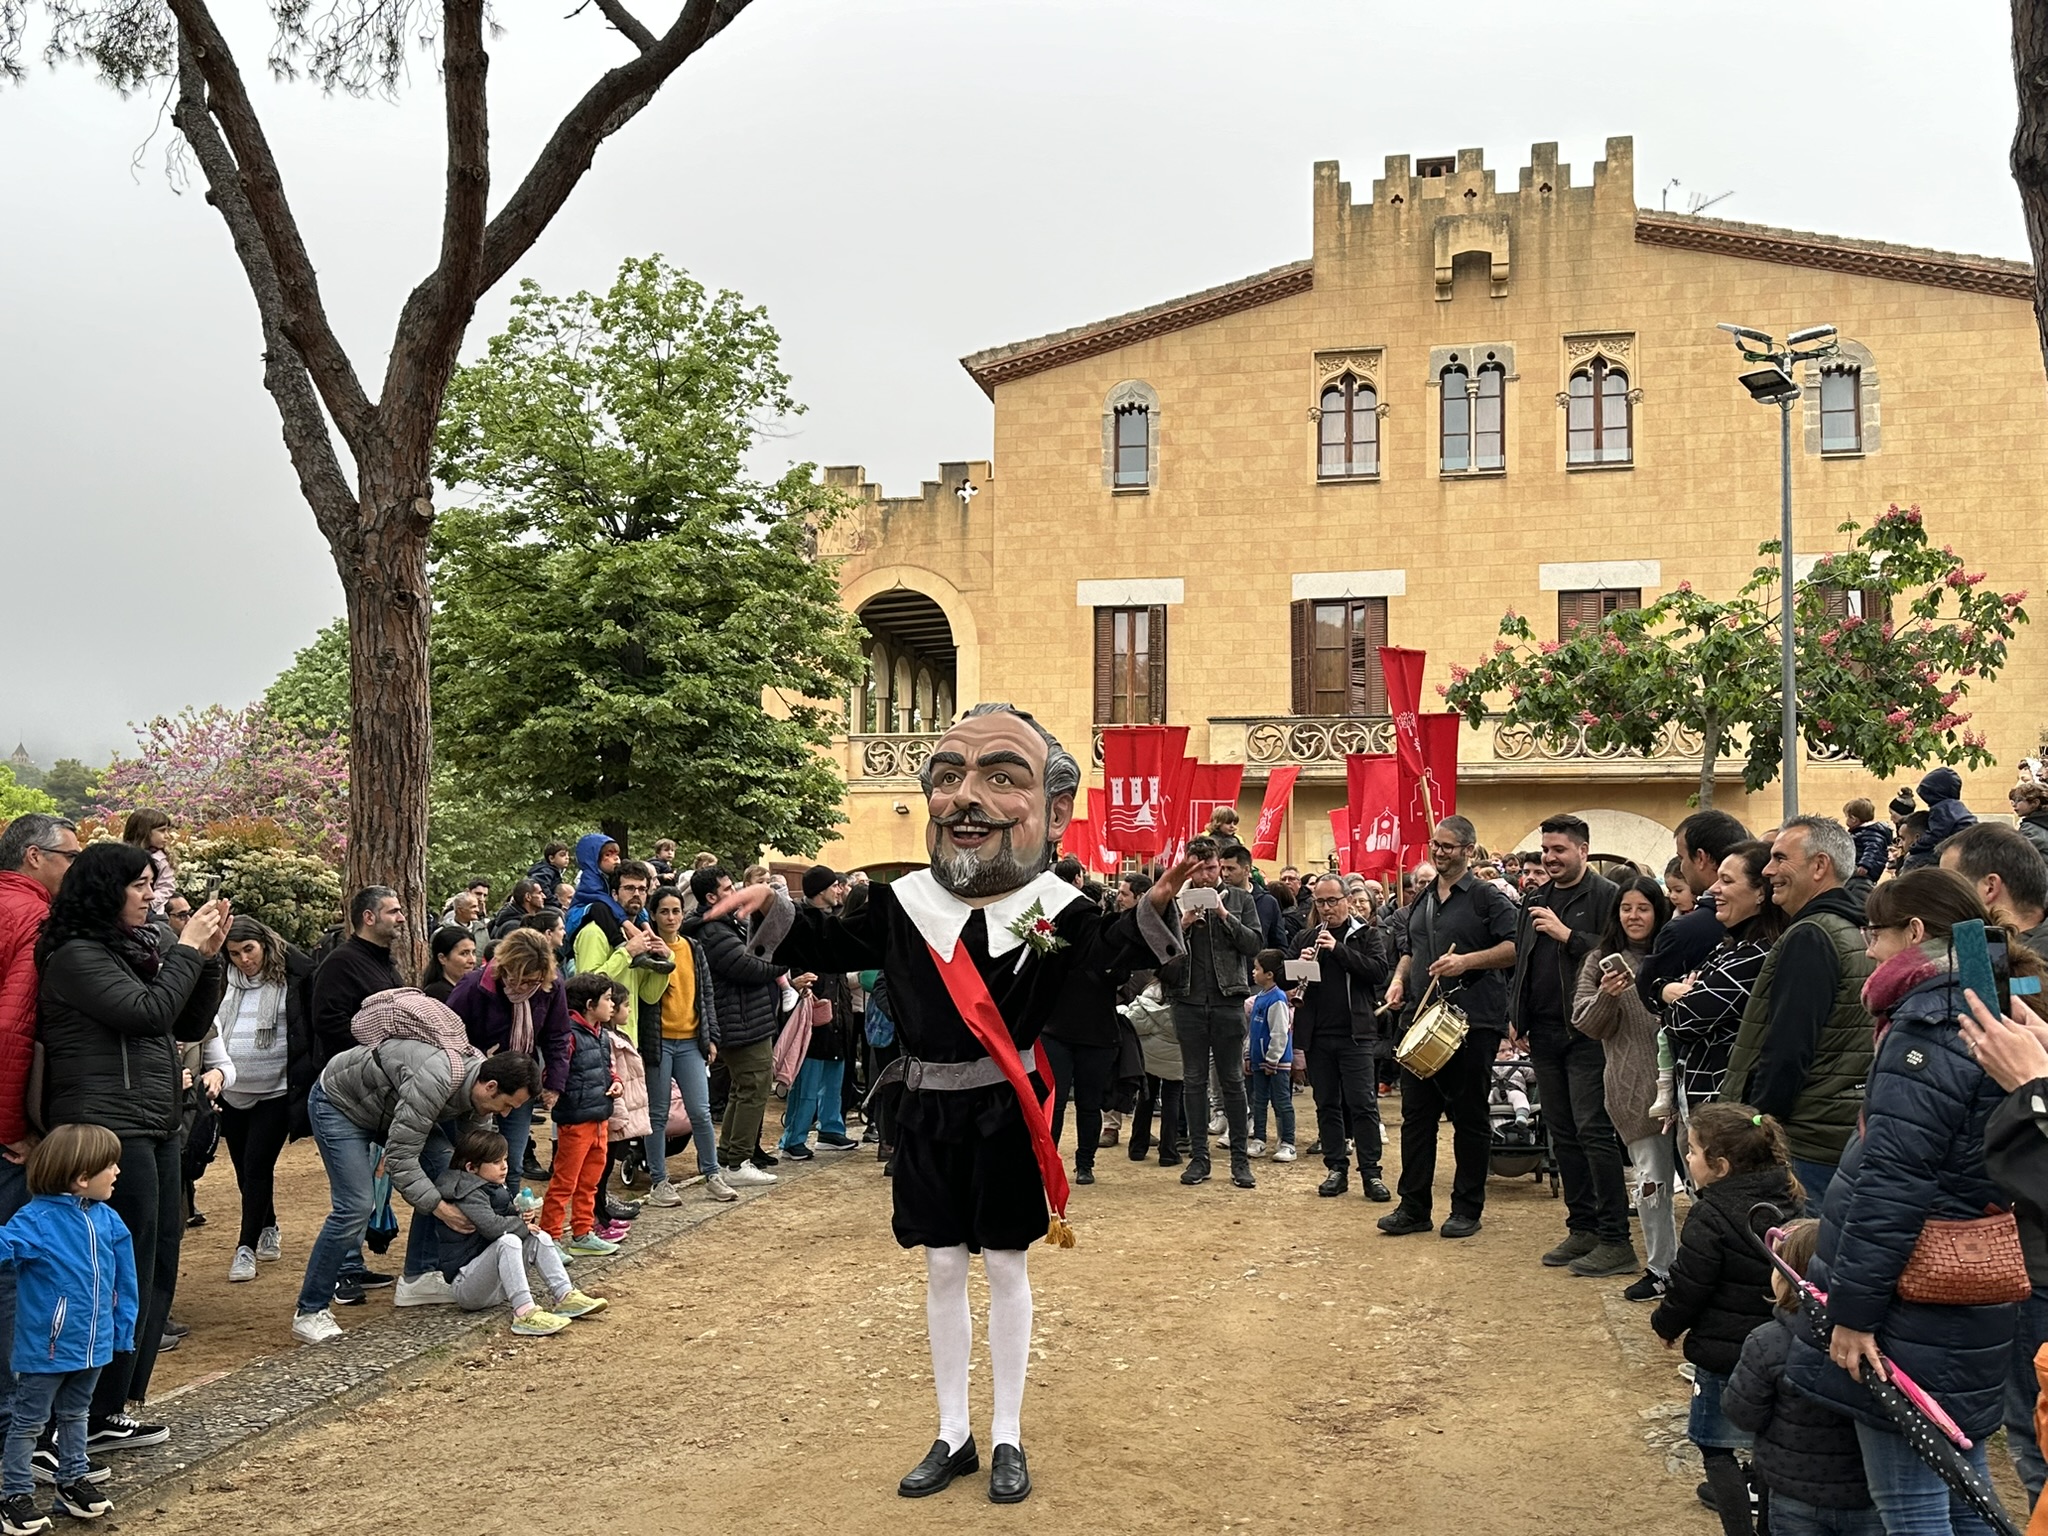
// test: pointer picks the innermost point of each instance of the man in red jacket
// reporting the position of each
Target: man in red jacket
(35, 854)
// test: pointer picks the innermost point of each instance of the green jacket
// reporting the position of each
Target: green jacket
(1803, 1052)
(596, 952)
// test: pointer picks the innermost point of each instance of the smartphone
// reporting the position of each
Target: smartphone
(1613, 964)
(1981, 967)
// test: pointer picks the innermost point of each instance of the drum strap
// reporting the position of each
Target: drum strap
(1429, 906)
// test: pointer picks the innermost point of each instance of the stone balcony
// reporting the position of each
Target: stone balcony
(898, 756)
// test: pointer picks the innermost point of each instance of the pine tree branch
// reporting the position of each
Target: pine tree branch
(302, 316)
(306, 435)
(606, 107)
(626, 22)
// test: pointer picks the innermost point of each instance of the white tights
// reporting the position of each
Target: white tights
(952, 1339)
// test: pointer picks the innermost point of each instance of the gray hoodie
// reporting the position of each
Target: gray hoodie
(490, 1210)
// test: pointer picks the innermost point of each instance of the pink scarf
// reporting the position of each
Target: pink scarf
(520, 1042)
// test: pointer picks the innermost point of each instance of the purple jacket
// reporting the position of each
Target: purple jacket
(486, 1013)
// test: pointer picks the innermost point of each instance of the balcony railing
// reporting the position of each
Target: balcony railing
(895, 756)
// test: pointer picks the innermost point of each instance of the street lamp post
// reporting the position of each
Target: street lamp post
(1774, 384)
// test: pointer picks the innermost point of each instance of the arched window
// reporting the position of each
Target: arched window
(1489, 419)
(1841, 410)
(1133, 446)
(900, 698)
(875, 707)
(1349, 430)
(921, 702)
(1597, 422)
(1457, 419)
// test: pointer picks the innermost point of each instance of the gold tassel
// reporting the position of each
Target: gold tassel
(1059, 1234)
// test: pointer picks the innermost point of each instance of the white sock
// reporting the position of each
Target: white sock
(951, 1331)
(1009, 1340)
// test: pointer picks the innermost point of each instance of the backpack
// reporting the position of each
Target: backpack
(881, 1028)
(407, 1013)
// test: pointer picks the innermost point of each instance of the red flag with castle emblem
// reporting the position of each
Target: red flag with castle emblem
(1273, 812)
(1134, 769)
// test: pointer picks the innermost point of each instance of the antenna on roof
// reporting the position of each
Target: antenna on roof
(1665, 198)
(1700, 203)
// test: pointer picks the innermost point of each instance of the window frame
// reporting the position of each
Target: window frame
(1443, 420)
(1609, 600)
(1852, 374)
(1598, 372)
(1365, 630)
(1138, 411)
(1122, 623)
(1349, 387)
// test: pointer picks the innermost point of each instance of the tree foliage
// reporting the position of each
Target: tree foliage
(621, 595)
(256, 864)
(75, 787)
(312, 693)
(19, 799)
(222, 765)
(1882, 685)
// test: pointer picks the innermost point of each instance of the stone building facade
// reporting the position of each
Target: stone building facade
(1466, 399)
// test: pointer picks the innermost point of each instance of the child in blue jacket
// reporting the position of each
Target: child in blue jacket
(75, 1306)
(1269, 1056)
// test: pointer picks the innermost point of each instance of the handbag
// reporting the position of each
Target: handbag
(1976, 1263)
(792, 1047)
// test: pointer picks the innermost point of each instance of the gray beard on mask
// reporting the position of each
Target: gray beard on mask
(968, 876)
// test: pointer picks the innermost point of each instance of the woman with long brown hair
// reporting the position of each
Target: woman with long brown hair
(267, 1032)
(1704, 1010)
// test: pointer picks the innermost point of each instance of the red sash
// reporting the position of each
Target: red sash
(978, 1011)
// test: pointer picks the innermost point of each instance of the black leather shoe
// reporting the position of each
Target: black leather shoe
(938, 1469)
(1458, 1226)
(1169, 1159)
(1009, 1479)
(1377, 1191)
(1084, 1176)
(1403, 1223)
(1197, 1172)
(1338, 1181)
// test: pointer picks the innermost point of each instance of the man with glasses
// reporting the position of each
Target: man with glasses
(1461, 935)
(1336, 1028)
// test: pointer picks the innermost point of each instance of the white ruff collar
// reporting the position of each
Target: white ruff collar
(939, 915)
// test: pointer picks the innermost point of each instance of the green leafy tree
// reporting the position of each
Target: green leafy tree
(254, 863)
(73, 786)
(1890, 636)
(634, 631)
(19, 800)
(312, 693)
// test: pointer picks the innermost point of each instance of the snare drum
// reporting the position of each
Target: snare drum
(1432, 1040)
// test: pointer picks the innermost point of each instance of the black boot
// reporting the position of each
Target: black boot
(1241, 1172)
(938, 1469)
(1731, 1492)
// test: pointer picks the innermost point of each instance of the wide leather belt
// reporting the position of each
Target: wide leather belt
(947, 1076)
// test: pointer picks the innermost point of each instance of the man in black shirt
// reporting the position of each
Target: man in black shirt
(1461, 934)
(1208, 991)
(1336, 1030)
(1562, 921)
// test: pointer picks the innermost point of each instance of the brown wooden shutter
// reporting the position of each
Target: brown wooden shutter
(1625, 597)
(1877, 606)
(1370, 616)
(1105, 664)
(1574, 609)
(1301, 625)
(1157, 625)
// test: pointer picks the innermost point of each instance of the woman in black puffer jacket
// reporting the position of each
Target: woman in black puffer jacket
(1917, 1156)
(116, 996)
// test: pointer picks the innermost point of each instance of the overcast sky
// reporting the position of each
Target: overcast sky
(900, 182)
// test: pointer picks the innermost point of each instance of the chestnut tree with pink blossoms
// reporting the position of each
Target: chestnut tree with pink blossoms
(1891, 634)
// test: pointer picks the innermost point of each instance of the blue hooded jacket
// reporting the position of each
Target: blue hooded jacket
(75, 1289)
(1942, 789)
(592, 890)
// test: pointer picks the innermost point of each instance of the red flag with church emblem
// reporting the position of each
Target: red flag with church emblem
(1273, 812)
(1134, 769)
(1428, 797)
(1371, 783)
(1403, 672)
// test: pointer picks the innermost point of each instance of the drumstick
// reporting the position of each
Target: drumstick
(1419, 1007)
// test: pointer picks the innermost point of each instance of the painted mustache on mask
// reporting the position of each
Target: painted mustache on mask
(970, 817)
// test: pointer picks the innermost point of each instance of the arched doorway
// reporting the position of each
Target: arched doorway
(1617, 836)
(912, 678)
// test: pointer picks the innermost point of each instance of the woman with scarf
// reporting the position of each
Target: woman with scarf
(116, 996)
(596, 857)
(264, 1028)
(1704, 1010)
(1917, 1160)
(516, 1003)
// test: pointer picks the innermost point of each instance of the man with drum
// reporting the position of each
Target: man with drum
(1336, 1029)
(1461, 938)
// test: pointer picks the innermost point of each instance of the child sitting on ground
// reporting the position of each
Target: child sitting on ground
(1719, 1287)
(1270, 1056)
(1807, 1456)
(75, 1306)
(487, 1267)
(1872, 837)
(582, 1116)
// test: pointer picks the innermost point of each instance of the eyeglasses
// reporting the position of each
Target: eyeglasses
(66, 854)
(1437, 847)
(1872, 930)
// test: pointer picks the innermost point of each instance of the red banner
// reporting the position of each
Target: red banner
(1134, 765)
(1403, 671)
(1427, 798)
(1180, 781)
(1079, 840)
(1214, 784)
(1273, 812)
(1340, 836)
(1371, 783)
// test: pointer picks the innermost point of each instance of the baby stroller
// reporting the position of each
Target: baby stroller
(633, 1154)
(1516, 1142)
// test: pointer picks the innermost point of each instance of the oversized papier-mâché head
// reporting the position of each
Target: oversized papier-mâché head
(1000, 791)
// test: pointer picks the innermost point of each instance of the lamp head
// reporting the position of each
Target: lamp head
(1811, 334)
(1747, 338)
(1770, 386)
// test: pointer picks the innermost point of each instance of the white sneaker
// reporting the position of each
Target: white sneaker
(428, 1290)
(1285, 1154)
(716, 1188)
(316, 1327)
(664, 1193)
(243, 1267)
(1217, 1125)
(1255, 1149)
(270, 1244)
(747, 1173)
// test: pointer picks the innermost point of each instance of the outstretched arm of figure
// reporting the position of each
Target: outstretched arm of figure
(817, 940)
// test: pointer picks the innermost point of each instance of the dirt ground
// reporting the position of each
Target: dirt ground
(1206, 1360)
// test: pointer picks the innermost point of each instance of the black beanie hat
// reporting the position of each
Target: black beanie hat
(818, 879)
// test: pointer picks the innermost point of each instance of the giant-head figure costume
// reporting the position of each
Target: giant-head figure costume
(1000, 790)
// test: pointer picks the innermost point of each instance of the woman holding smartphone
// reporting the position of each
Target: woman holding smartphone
(1607, 1008)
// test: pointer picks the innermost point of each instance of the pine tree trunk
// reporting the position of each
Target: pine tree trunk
(2030, 141)
(390, 727)
(1709, 755)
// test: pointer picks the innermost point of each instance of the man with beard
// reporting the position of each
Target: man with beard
(1208, 990)
(977, 952)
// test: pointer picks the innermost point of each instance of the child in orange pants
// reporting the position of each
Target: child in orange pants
(582, 1116)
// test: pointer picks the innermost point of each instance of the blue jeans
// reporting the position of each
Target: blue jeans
(1792, 1517)
(349, 1154)
(814, 1099)
(1276, 1089)
(1814, 1178)
(2022, 1387)
(1911, 1498)
(13, 1196)
(37, 1397)
(681, 1062)
(516, 1126)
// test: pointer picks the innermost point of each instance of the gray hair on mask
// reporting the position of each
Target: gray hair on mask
(1062, 773)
